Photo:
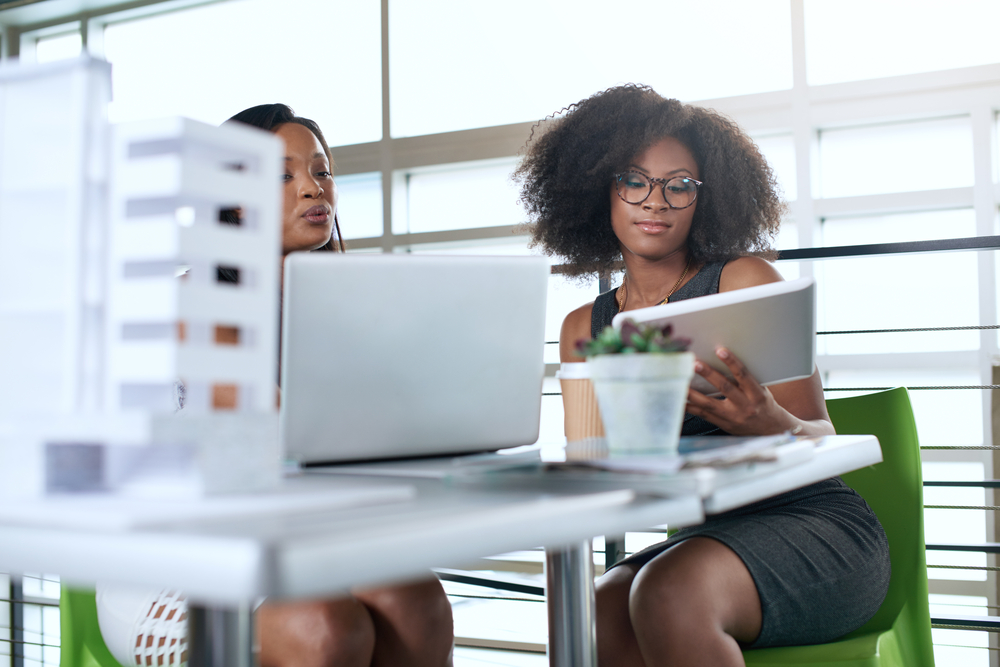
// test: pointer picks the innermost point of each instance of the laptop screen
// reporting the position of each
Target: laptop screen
(398, 356)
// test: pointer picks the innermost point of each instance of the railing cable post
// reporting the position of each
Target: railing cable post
(16, 621)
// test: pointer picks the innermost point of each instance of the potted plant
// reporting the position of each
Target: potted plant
(641, 376)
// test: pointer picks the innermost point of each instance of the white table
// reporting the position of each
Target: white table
(223, 564)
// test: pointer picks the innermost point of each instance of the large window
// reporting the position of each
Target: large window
(359, 205)
(896, 157)
(459, 196)
(480, 64)
(849, 40)
(212, 61)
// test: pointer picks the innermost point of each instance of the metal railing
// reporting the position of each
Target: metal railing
(26, 642)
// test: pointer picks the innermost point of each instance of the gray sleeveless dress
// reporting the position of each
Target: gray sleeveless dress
(818, 555)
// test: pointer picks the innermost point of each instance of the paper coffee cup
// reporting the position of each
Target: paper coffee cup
(582, 415)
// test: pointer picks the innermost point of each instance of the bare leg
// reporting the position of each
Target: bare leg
(690, 605)
(315, 634)
(413, 624)
(616, 643)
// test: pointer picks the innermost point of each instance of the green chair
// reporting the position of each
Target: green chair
(81, 642)
(900, 632)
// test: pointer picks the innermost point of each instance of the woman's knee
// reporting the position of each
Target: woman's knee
(413, 623)
(611, 593)
(615, 638)
(315, 633)
(698, 583)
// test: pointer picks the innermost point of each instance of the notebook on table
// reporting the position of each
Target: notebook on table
(403, 356)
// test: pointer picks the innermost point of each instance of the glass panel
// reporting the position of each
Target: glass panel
(359, 205)
(513, 245)
(565, 295)
(944, 417)
(857, 39)
(41, 586)
(5, 618)
(551, 428)
(32, 617)
(779, 151)
(950, 471)
(958, 605)
(41, 623)
(898, 157)
(901, 292)
(242, 53)
(50, 626)
(789, 270)
(638, 541)
(788, 239)
(551, 355)
(897, 227)
(995, 155)
(51, 656)
(460, 196)
(960, 647)
(59, 47)
(996, 258)
(498, 621)
(954, 526)
(788, 236)
(492, 64)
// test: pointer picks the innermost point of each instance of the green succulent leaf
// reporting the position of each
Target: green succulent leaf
(633, 338)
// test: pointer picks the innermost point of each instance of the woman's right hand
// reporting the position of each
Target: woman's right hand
(748, 408)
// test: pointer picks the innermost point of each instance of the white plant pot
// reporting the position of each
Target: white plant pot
(642, 399)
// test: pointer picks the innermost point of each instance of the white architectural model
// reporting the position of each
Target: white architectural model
(53, 177)
(118, 308)
(193, 268)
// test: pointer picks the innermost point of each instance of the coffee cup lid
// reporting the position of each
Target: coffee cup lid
(573, 371)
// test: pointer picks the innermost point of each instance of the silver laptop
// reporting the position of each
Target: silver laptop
(401, 356)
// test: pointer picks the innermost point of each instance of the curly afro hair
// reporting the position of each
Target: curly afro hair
(568, 170)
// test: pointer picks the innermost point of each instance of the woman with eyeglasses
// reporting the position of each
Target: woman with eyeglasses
(684, 200)
(406, 624)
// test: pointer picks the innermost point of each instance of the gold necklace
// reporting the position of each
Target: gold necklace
(622, 296)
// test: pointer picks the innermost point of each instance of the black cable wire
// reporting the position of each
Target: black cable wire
(928, 388)
(870, 331)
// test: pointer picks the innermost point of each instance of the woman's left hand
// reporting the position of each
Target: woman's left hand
(746, 407)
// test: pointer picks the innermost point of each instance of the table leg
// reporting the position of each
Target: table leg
(221, 637)
(569, 592)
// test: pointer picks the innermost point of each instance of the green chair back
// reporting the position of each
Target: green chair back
(81, 642)
(894, 490)
(900, 632)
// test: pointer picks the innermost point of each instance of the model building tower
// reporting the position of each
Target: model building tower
(53, 176)
(193, 268)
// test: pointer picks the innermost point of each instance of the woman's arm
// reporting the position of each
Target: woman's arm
(747, 408)
(574, 327)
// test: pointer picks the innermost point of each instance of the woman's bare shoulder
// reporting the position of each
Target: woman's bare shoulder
(747, 272)
(574, 327)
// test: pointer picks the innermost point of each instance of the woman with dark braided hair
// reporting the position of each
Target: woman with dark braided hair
(684, 199)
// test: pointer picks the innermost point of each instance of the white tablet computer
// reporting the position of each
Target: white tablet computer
(771, 328)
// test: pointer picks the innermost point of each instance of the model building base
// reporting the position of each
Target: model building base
(169, 457)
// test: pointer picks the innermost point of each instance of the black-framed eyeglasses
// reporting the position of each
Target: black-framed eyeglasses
(635, 188)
